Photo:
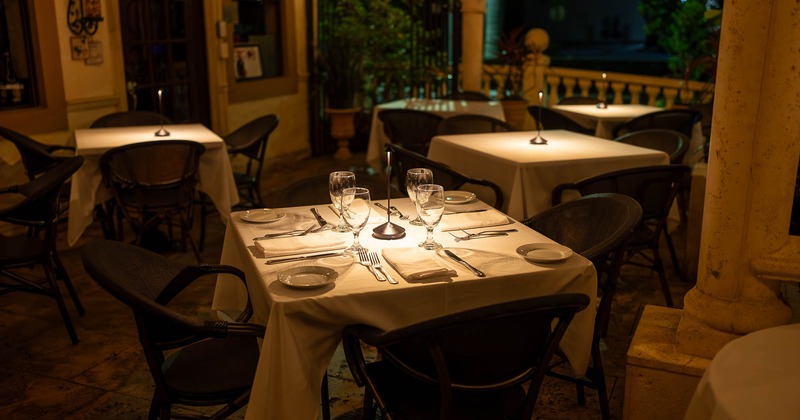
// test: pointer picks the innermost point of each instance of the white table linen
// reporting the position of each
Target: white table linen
(215, 177)
(527, 173)
(304, 326)
(376, 150)
(753, 377)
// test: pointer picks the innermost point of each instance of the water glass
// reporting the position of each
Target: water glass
(337, 182)
(430, 207)
(355, 208)
(414, 178)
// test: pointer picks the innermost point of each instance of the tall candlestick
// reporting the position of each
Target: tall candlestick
(161, 132)
(539, 139)
(388, 230)
(602, 104)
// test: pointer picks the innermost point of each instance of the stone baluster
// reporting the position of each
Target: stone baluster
(652, 94)
(585, 85)
(619, 89)
(636, 92)
(670, 94)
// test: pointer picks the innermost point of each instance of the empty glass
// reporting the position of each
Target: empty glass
(355, 208)
(430, 206)
(414, 178)
(337, 182)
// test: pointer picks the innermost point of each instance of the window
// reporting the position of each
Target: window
(259, 26)
(17, 82)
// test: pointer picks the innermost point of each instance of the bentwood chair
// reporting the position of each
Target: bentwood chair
(471, 364)
(472, 123)
(682, 120)
(154, 182)
(129, 119)
(578, 100)
(674, 143)
(410, 128)
(193, 360)
(655, 188)
(554, 120)
(597, 226)
(250, 141)
(468, 96)
(404, 159)
(38, 209)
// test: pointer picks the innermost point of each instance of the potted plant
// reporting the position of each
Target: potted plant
(352, 45)
(513, 53)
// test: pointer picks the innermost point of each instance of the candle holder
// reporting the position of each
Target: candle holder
(539, 139)
(162, 132)
(602, 104)
(388, 230)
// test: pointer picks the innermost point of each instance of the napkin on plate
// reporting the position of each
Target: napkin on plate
(307, 244)
(486, 218)
(416, 263)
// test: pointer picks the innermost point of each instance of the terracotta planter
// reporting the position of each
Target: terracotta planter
(515, 111)
(342, 130)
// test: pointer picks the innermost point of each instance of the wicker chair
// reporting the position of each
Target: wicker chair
(682, 120)
(193, 361)
(404, 159)
(655, 188)
(470, 364)
(410, 128)
(472, 123)
(38, 209)
(250, 141)
(554, 120)
(596, 226)
(674, 143)
(129, 119)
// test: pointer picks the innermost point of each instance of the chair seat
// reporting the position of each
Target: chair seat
(19, 249)
(185, 373)
(642, 236)
(408, 398)
(153, 200)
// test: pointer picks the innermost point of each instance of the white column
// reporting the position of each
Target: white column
(472, 13)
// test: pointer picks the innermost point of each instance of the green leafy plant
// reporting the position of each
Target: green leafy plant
(513, 53)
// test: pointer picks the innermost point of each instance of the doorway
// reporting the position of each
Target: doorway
(164, 48)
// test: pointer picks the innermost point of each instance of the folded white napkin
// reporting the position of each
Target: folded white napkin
(307, 244)
(486, 218)
(416, 263)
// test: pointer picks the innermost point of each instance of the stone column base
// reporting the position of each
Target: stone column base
(659, 380)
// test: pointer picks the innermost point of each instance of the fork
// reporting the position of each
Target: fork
(376, 263)
(396, 210)
(364, 260)
(481, 234)
(297, 232)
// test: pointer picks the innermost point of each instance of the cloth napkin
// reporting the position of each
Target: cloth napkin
(486, 218)
(416, 263)
(307, 244)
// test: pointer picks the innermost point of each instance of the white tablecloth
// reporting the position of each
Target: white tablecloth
(756, 376)
(527, 173)
(304, 326)
(215, 174)
(376, 151)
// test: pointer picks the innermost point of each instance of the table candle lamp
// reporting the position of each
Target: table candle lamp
(539, 139)
(162, 132)
(388, 230)
(602, 104)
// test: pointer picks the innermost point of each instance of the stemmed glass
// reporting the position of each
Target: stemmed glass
(414, 178)
(337, 182)
(355, 208)
(430, 207)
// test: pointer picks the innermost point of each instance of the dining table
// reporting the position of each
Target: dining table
(304, 324)
(215, 176)
(604, 120)
(443, 107)
(527, 173)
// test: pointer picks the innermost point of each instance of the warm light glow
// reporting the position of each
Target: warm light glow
(604, 75)
(159, 94)
(541, 94)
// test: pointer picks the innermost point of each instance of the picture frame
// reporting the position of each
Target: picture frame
(95, 53)
(247, 62)
(79, 46)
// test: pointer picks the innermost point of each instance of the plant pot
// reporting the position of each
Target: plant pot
(515, 110)
(342, 130)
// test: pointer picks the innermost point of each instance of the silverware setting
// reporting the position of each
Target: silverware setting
(397, 212)
(323, 224)
(481, 234)
(363, 259)
(464, 211)
(376, 263)
(304, 257)
(469, 266)
(296, 232)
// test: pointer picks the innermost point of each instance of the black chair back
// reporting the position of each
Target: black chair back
(250, 140)
(410, 128)
(674, 143)
(682, 120)
(472, 123)
(37, 158)
(554, 120)
(130, 119)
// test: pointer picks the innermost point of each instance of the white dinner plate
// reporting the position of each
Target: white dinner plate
(262, 215)
(458, 197)
(307, 277)
(544, 252)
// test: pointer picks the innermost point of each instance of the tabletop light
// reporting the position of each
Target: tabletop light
(539, 139)
(388, 230)
(162, 132)
(602, 104)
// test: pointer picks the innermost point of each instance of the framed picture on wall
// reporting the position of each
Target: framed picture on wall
(247, 62)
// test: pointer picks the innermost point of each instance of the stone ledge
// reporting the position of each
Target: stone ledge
(654, 344)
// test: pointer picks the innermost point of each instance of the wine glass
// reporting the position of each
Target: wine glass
(414, 178)
(355, 208)
(430, 207)
(337, 182)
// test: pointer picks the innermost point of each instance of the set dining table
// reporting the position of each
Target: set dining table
(527, 173)
(442, 107)
(215, 177)
(304, 324)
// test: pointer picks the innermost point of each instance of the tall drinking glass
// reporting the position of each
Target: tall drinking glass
(337, 182)
(430, 207)
(355, 207)
(414, 178)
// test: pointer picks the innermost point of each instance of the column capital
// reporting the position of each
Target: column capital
(473, 6)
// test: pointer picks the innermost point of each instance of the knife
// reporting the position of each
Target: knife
(465, 211)
(321, 220)
(304, 257)
(457, 259)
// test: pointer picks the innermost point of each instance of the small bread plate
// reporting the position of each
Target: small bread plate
(458, 197)
(262, 215)
(307, 277)
(544, 252)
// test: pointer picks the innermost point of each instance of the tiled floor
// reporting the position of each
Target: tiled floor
(105, 376)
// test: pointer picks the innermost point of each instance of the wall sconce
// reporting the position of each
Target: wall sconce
(84, 16)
